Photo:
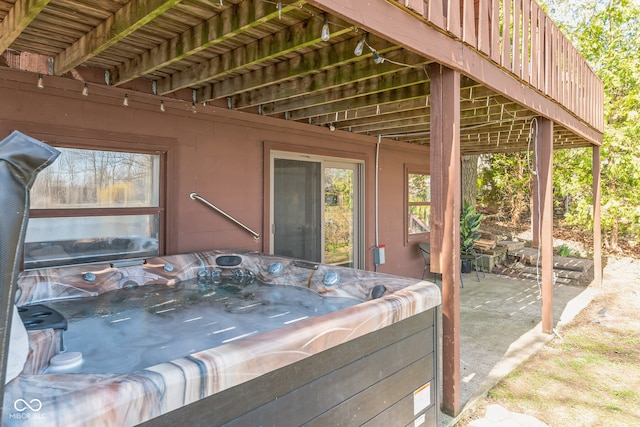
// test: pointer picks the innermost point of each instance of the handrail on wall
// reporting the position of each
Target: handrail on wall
(195, 196)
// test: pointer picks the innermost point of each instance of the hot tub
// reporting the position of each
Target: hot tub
(226, 338)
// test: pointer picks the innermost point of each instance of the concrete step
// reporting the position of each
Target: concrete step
(567, 274)
(527, 274)
(530, 256)
(562, 276)
(511, 246)
(498, 250)
(566, 270)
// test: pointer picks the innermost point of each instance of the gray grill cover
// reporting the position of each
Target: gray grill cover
(21, 158)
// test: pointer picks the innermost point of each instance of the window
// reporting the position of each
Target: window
(418, 204)
(92, 205)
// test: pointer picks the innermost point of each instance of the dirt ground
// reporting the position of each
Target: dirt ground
(590, 374)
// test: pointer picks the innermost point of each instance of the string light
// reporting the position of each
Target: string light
(359, 47)
(326, 35)
(377, 58)
(194, 99)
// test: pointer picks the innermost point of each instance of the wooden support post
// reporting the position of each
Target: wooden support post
(445, 221)
(597, 230)
(544, 171)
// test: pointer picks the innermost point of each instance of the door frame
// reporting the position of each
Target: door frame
(325, 161)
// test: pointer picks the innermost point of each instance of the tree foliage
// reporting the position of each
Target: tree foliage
(505, 184)
(469, 228)
(607, 34)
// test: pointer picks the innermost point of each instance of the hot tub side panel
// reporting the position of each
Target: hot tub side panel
(384, 378)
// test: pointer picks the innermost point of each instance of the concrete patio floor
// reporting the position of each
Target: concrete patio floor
(500, 328)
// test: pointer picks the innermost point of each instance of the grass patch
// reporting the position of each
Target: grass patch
(589, 377)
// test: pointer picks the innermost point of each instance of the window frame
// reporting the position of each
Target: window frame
(117, 146)
(410, 169)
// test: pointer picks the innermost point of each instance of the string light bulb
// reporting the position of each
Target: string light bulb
(194, 99)
(162, 106)
(359, 47)
(85, 90)
(377, 58)
(40, 82)
(125, 101)
(326, 34)
(279, 7)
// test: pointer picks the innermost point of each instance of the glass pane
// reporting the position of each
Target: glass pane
(297, 196)
(419, 187)
(77, 240)
(419, 219)
(338, 216)
(98, 179)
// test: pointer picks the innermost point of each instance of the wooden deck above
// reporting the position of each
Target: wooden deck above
(519, 37)
(269, 58)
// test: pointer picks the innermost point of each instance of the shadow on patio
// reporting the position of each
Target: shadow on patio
(500, 328)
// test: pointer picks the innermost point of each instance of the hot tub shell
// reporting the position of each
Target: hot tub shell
(371, 364)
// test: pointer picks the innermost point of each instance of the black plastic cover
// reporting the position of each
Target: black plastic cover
(39, 316)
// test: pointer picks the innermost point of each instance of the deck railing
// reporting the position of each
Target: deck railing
(519, 37)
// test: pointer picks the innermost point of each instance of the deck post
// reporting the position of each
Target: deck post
(544, 170)
(445, 222)
(597, 230)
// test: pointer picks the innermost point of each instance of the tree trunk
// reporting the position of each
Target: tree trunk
(517, 208)
(614, 234)
(470, 179)
(518, 203)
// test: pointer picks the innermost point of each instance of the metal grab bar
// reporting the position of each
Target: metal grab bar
(194, 196)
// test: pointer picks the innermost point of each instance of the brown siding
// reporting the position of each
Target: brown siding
(401, 257)
(215, 152)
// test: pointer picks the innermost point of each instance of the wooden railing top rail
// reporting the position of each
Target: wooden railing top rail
(520, 38)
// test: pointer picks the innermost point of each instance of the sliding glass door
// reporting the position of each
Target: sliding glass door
(316, 209)
(340, 214)
(297, 214)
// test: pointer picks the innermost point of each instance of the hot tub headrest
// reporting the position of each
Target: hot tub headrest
(228, 260)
